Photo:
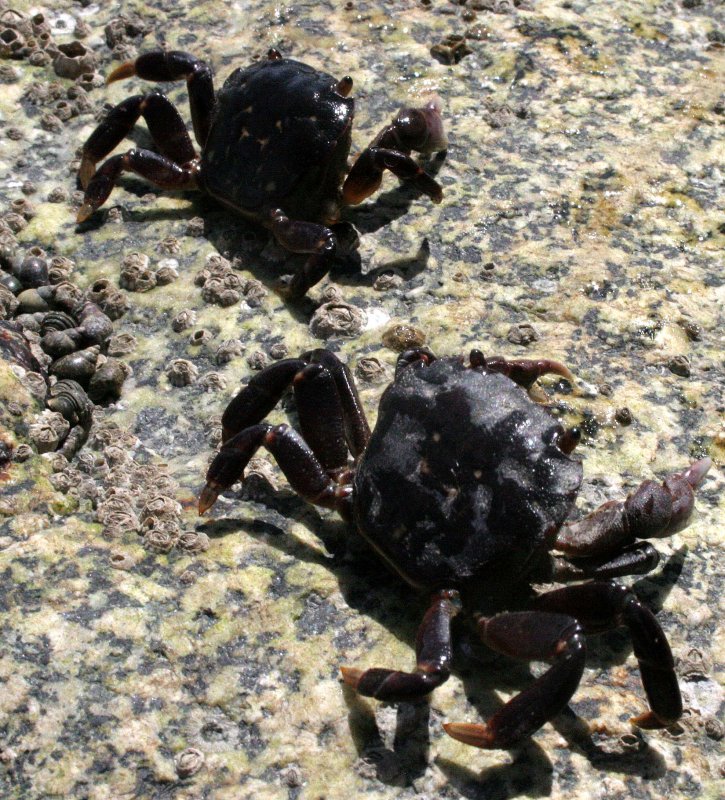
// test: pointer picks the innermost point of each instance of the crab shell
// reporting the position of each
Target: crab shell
(462, 482)
(295, 158)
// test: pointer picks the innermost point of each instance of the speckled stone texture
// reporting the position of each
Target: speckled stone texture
(146, 653)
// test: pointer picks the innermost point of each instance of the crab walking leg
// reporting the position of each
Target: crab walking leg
(321, 418)
(602, 606)
(298, 463)
(653, 510)
(304, 237)
(171, 65)
(261, 394)
(529, 635)
(433, 658)
(164, 122)
(636, 559)
(158, 169)
(357, 429)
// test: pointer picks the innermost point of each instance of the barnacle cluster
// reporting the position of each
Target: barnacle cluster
(136, 497)
(222, 286)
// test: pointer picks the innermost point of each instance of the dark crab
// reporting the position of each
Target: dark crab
(274, 146)
(464, 488)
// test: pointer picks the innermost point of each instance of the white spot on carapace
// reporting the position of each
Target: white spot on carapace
(270, 187)
(436, 437)
(278, 124)
(478, 474)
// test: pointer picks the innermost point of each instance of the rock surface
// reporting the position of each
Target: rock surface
(146, 653)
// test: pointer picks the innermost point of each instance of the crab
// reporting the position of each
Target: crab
(274, 146)
(465, 488)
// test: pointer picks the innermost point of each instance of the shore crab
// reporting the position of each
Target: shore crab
(274, 145)
(464, 487)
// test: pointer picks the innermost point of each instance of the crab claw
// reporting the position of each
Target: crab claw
(696, 472)
(525, 371)
(470, 733)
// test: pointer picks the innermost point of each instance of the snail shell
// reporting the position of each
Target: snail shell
(32, 272)
(78, 366)
(106, 383)
(68, 398)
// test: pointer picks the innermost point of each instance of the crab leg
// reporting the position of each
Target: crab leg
(299, 464)
(367, 174)
(164, 122)
(653, 510)
(156, 168)
(357, 430)
(529, 635)
(433, 658)
(304, 237)
(261, 394)
(263, 391)
(602, 606)
(161, 65)
(321, 418)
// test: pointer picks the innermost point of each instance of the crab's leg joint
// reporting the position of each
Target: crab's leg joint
(171, 65)
(299, 464)
(304, 237)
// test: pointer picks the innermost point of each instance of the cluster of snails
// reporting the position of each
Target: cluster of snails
(69, 333)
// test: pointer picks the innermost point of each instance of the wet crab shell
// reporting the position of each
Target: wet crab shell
(280, 136)
(462, 481)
